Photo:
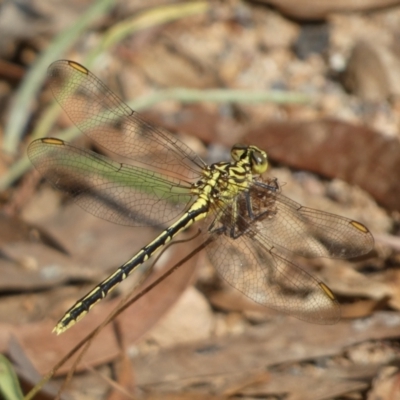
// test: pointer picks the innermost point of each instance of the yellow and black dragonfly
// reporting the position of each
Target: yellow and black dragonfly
(255, 229)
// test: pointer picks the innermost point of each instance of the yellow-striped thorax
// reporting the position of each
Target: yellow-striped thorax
(224, 180)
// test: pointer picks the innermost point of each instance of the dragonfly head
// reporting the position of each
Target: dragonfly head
(256, 157)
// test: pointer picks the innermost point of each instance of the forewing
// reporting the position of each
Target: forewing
(105, 118)
(114, 191)
(308, 232)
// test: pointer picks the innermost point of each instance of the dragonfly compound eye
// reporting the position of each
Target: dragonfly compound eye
(259, 161)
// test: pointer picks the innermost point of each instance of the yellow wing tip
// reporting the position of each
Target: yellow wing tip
(327, 291)
(53, 141)
(359, 226)
(78, 67)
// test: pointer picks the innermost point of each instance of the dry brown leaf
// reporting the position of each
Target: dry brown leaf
(314, 9)
(181, 396)
(36, 266)
(386, 385)
(361, 308)
(392, 279)
(285, 340)
(43, 348)
(336, 149)
(372, 71)
(319, 383)
(239, 384)
(190, 320)
(345, 280)
(125, 382)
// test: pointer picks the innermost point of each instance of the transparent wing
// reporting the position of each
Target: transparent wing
(117, 192)
(106, 119)
(313, 233)
(251, 264)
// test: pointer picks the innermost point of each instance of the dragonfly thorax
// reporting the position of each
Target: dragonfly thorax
(223, 181)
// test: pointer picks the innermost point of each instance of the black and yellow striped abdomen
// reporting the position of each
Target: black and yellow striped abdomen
(196, 212)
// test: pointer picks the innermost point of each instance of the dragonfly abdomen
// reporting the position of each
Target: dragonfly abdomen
(198, 211)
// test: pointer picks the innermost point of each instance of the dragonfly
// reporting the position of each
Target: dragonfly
(255, 231)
